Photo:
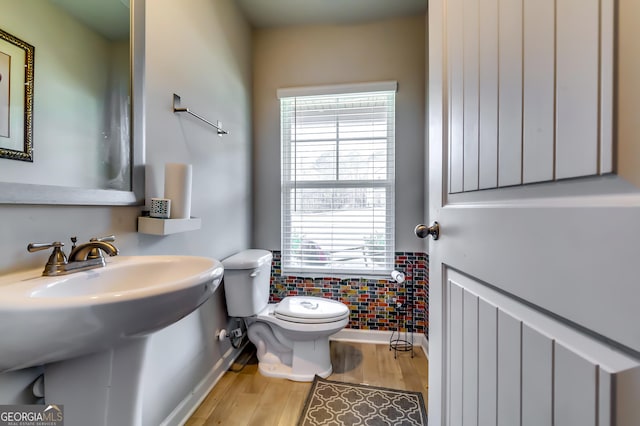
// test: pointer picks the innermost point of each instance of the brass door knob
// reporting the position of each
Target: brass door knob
(423, 231)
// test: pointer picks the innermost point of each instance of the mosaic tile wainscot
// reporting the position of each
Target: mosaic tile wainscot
(370, 300)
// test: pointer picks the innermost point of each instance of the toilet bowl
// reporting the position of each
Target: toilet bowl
(292, 336)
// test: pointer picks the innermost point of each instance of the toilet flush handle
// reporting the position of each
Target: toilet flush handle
(254, 273)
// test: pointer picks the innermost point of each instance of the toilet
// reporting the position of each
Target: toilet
(291, 337)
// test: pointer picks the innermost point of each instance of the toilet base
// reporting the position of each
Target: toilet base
(282, 371)
(279, 355)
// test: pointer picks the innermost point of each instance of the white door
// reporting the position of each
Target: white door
(534, 313)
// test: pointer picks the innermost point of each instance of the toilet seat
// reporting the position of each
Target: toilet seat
(310, 310)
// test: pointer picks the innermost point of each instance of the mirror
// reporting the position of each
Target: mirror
(86, 149)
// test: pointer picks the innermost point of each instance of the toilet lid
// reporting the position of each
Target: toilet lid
(309, 309)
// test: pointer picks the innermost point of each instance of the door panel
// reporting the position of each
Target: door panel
(548, 270)
(607, 20)
(471, 94)
(530, 90)
(470, 359)
(576, 389)
(488, 90)
(457, 348)
(548, 373)
(577, 88)
(509, 343)
(509, 92)
(554, 260)
(488, 369)
(537, 376)
(538, 111)
(456, 94)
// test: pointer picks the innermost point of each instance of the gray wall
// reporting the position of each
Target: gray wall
(317, 55)
(203, 53)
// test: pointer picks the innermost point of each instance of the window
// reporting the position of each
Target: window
(338, 179)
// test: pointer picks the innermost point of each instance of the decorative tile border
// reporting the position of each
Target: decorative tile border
(370, 300)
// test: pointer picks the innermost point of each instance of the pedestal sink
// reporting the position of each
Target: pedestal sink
(89, 328)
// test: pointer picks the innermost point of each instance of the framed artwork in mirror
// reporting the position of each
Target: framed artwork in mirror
(16, 98)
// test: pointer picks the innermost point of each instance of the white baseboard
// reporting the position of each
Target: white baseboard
(192, 401)
(424, 344)
(377, 337)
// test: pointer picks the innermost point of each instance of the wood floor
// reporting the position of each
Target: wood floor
(246, 397)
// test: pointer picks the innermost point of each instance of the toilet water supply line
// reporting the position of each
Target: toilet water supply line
(236, 335)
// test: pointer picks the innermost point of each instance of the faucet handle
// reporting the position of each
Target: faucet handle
(107, 239)
(43, 246)
(56, 261)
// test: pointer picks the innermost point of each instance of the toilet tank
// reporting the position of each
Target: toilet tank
(246, 282)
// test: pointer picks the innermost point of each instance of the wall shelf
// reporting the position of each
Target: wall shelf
(155, 226)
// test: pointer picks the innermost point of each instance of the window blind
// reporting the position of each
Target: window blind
(338, 183)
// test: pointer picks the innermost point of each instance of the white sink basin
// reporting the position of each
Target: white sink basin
(48, 319)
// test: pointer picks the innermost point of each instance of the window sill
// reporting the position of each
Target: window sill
(382, 275)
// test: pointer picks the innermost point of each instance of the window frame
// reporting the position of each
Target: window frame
(289, 183)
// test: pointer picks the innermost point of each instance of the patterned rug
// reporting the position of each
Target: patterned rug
(337, 404)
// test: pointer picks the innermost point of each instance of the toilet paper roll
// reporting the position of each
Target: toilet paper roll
(177, 188)
(398, 276)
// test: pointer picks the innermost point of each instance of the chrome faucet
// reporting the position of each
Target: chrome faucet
(82, 257)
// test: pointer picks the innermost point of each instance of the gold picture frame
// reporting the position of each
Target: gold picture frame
(16, 98)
